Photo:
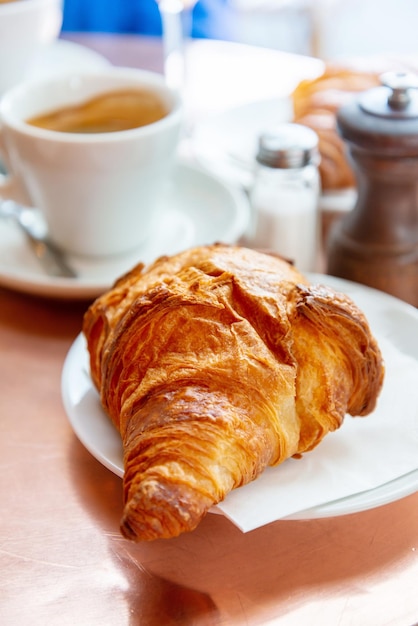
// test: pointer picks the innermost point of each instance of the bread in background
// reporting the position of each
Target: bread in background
(315, 104)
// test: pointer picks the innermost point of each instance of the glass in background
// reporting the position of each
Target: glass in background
(176, 18)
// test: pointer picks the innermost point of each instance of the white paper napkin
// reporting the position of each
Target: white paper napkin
(363, 454)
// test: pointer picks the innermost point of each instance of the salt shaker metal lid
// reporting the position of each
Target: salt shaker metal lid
(384, 119)
(288, 146)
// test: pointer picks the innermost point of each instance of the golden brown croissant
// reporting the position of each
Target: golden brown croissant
(214, 364)
(315, 104)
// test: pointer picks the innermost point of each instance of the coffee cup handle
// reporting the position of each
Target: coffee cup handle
(10, 187)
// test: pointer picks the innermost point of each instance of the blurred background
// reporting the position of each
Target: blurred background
(325, 28)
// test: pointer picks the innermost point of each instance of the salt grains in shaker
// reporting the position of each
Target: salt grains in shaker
(285, 194)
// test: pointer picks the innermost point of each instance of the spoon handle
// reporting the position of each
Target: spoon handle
(50, 257)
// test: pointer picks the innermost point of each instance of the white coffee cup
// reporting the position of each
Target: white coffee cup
(98, 192)
(27, 27)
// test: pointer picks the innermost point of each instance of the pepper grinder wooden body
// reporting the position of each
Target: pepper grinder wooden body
(377, 242)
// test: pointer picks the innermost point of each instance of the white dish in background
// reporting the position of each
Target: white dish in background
(196, 209)
(394, 320)
(64, 56)
(226, 143)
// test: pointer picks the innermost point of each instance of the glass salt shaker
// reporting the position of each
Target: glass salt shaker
(285, 194)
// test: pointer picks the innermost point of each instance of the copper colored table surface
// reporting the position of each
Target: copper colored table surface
(63, 561)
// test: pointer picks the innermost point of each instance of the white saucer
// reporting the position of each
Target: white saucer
(64, 56)
(330, 466)
(226, 143)
(196, 209)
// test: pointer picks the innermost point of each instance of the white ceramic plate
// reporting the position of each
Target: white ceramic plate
(64, 56)
(226, 143)
(395, 320)
(196, 209)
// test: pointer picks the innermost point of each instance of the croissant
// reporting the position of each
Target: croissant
(214, 364)
(315, 104)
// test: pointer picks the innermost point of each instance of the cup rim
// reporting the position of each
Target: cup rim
(9, 120)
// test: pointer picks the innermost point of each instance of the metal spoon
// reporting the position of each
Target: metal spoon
(50, 257)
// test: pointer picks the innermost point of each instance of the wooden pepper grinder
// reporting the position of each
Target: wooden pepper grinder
(377, 242)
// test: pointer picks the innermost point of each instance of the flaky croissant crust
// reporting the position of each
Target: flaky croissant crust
(214, 364)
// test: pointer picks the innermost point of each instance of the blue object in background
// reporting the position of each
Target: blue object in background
(211, 18)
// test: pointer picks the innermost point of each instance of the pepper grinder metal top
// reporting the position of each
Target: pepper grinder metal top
(377, 242)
